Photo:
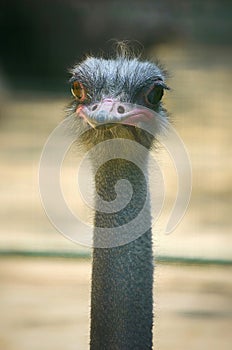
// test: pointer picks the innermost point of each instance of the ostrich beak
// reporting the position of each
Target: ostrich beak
(109, 111)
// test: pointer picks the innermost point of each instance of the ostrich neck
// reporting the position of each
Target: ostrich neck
(121, 295)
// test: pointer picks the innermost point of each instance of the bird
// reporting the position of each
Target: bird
(108, 97)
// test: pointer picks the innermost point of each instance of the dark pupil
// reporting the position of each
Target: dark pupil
(155, 95)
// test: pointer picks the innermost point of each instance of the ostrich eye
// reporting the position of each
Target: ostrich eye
(78, 91)
(154, 95)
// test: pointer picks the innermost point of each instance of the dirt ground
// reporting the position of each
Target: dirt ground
(45, 305)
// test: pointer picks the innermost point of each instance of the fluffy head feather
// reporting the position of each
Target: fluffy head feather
(125, 79)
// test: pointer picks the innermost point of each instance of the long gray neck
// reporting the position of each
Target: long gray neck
(122, 276)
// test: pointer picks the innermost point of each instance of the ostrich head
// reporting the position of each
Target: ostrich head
(113, 96)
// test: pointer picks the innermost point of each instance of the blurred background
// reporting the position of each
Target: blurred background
(45, 278)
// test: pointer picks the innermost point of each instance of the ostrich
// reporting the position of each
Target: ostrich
(105, 91)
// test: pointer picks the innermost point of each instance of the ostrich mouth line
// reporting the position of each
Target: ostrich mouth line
(109, 120)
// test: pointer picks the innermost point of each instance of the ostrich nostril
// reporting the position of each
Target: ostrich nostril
(121, 109)
(94, 107)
